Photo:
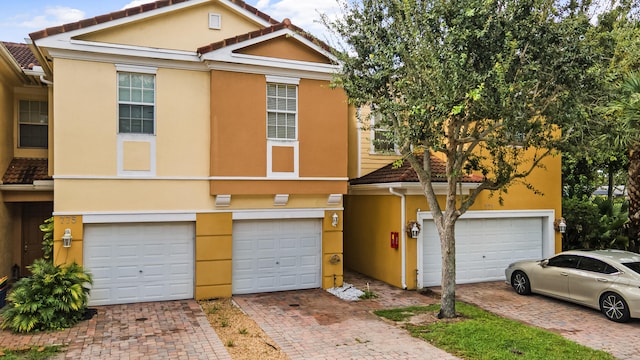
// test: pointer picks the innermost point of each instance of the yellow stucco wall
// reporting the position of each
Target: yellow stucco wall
(6, 149)
(62, 255)
(367, 248)
(371, 218)
(186, 29)
(213, 255)
(332, 250)
(87, 120)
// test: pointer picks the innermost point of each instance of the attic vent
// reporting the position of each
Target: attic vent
(214, 21)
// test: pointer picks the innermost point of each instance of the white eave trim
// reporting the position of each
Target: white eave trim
(38, 185)
(242, 11)
(227, 54)
(87, 50)
(410, 188)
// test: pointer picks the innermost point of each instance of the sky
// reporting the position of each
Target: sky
(21, 17)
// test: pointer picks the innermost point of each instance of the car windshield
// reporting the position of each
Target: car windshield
(635, 266)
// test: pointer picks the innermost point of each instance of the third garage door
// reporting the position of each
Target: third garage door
(484, 248)
(276, 255)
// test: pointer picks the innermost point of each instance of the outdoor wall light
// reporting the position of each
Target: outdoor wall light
(561, 225)
(334, 220)
(66, 238)
(413, 229)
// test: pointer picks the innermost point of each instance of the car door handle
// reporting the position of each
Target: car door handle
(602, 280)
(564, 274)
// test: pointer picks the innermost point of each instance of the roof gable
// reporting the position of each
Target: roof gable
(182, 29)
(139, 12)
(284, 47)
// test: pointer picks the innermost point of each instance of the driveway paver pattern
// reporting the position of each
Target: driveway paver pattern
(155, 330)
(313, 324)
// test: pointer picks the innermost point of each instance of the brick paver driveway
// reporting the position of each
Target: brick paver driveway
(583, 325)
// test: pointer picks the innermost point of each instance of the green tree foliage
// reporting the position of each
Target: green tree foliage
(47, 239)
(54, 297)
(487, 83)
(596, 223)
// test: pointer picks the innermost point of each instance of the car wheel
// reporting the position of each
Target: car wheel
(520, 283)
(614, 307)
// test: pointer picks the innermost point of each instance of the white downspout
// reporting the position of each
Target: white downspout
(403, 220)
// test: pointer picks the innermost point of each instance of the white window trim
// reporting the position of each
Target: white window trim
(18, 122)
(283, 80)
(215, 21)
(151, 139)
(372, 137)
(147, 70)
(271, 143)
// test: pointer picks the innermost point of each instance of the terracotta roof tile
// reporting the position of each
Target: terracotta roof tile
(405, 173)
(22, 54)
(285, 24)
(25, 171)
(100, 19)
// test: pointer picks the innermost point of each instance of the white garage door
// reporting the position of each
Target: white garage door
(139, 262)
(484, 248)
(276, 255)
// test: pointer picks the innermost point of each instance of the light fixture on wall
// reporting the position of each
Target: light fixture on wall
(334, 220)
(560, 225)
(413, 229)
(66, 238)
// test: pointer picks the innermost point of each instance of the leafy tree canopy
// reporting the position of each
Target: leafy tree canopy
(488, 83)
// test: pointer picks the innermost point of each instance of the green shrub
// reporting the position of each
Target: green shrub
(47, 239)
(54, 297)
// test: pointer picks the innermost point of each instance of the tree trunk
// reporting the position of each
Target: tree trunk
(633, 189)
(448, 250)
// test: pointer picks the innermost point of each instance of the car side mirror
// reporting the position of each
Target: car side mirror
(544, 263)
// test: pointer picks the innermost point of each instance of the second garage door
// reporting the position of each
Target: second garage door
(484, 248)
(139, 262)
(276, 255)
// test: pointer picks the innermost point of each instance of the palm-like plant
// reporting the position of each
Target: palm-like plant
(626, 110)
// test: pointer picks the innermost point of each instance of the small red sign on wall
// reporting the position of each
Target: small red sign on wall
(394, 239)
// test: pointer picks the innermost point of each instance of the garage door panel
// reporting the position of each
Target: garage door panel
(284, 250)
(484, 248)
(140, 262)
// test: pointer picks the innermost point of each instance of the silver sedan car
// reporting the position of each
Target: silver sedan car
(607, 280)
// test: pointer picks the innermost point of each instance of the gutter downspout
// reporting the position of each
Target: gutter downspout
(403, 220)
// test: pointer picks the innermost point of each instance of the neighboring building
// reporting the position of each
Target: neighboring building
(198, 151)
(384, 202)
(26, 187)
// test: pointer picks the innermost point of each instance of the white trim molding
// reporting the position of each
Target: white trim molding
(104, 218)
(278, 214)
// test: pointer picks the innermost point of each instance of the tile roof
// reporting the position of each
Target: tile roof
(285, 24)
(405, 173)
(25, 171)
(22, 54)
(130, 12)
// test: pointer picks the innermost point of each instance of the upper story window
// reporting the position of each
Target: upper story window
(136, 103)
(33, 121)
(381, 142)
(282, 111)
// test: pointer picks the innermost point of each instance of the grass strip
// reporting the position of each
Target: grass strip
(479, 334)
